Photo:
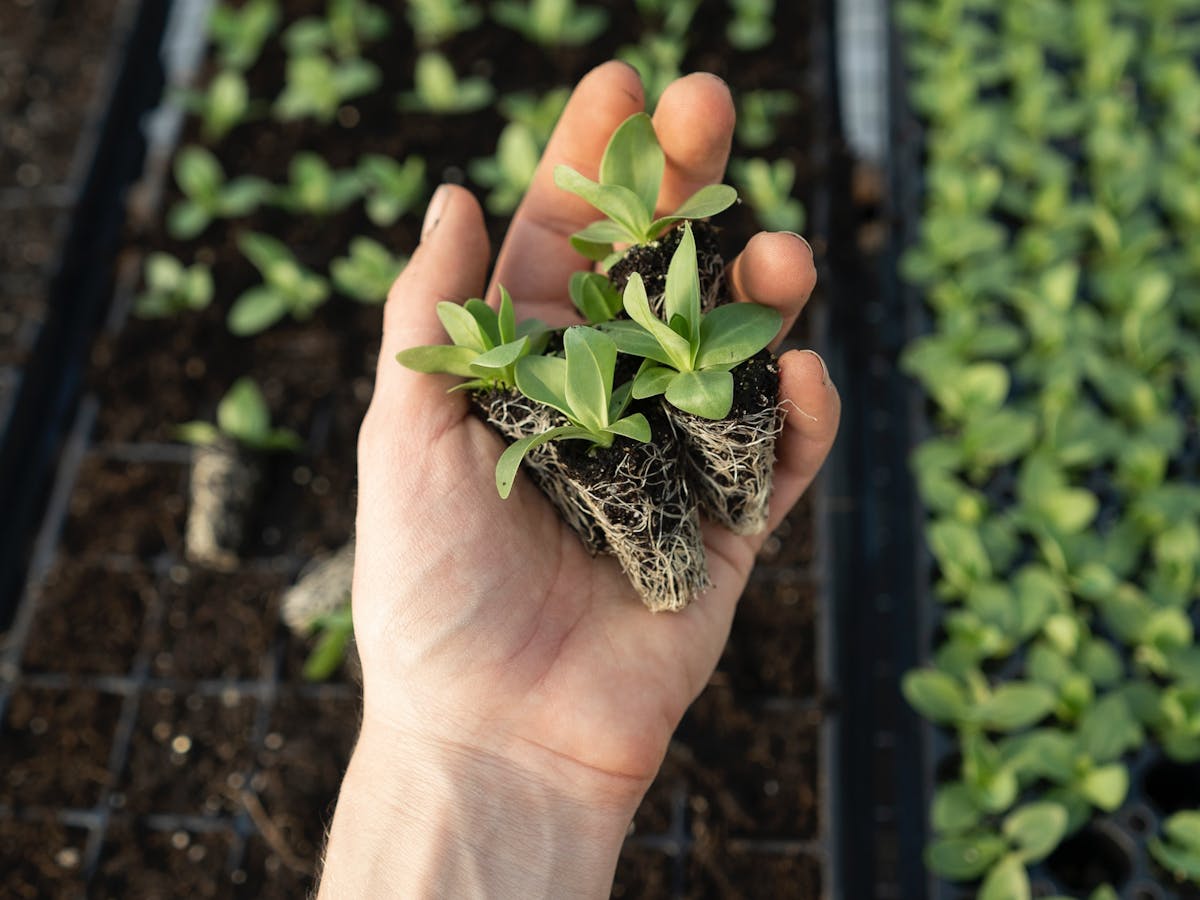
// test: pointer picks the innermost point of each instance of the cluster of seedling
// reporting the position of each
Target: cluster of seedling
(581, 419)
(331, 62)
(1058, 254)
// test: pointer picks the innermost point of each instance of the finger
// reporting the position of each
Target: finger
(812, 409)
(775, 269)
(537, 260)
(694, 123)
(450, 264)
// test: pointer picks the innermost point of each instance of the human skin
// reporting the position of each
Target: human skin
(518, 698)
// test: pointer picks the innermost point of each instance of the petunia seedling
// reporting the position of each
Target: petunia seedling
(594, 296)
(173, 288)
(367, 273)
(221, 106)
(487, 346)
(208, 195)
(239, 33)
(347, 24)
(434, 21)
(317, 86)
(287, 288)
(438, 89)
(390, 188)
(316, 188)
(631, 173)
(551, 23)
(767, 186)
(242, 417)
(580, 386)
(689, 357)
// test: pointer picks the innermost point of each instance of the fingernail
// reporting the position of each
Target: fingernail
(825, 379)
(433, 215)
(800, 238)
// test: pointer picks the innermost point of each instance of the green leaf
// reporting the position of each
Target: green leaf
(186, 220)
(1106, 786)
(1184, 828)
(708, 201)
(544, 379)
(1182, 862)
(954, 809)
(506, 319)
(682, 295)
(652, 381)
(707, 394)
(637, 304)
(965, 857)
(634, 340)
(634, 159)
(605, 232)
(198, 173)
(256, 310)
(510, 459)
(733, 333)
(594, 296)
(264, 251)
(1007, 880)
(242, 413)
(329, 653)
(618, 203)
(464, 329)
(591, 358)
(935, 695)
(1015, 705)
(198, 433)
(500, 357)
(1036, 829)
(634, 427)
(439, 359)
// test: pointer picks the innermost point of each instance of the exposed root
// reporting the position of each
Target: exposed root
(653, 529)
(323, 588)
(516, 416)
(224, 487)
(731, 464)
(652, 260)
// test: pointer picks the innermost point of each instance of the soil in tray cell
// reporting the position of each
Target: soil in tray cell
(644, 874)
(717, 872)
(215, 625)
(140, 862)
(125, 508)
(189, 754)
(791, 544)
(772, 648)
(31, 235)
(300, 767)
(41, 860)
(22, 309)
(89, 620)
(754, 770)
(55, 747)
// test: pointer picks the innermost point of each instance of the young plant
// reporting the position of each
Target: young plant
(314, 188)
(208, 195)
(751, 27)
(595, 297)
(1179, 854)
(767, 187)
(336, 631)
(509, 172)
(346, 26)
(434, 21)
(438, 89)
(244, 419)
(539, 113)
(239, 33)
(391, 188)
(172, 288)
(487, 344)
(688, 357)
(287, 289)
(222, 106)
(757, 112)
(631, 173)
(658, 59)
(366, 275)
(551, 23)
(580, 386)
(317, 86)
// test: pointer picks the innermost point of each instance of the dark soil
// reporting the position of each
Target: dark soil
(755, 385)
(651, 261)
(224, 731)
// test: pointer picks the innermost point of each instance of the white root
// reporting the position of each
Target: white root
(322, 588)
(731, 464)
(224, 486)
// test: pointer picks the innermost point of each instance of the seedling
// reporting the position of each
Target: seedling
(314, 188)
(551, 23)
(222, 106)
(317, 86)
(757, 112)
(172, 288)
(346, 26)
(595, 297)
(658, 59)
(487, 344)
(391, 188)
(509, 172)
(242, 417)
(580, 386)
(688, 357)
(239, 33)
(631, 173)
(208, 195)
(767, 187)
(335, 630)
(437, 89)
(1179, 854)
(287, 289)
(434, 21)
(538, 113)
(752, 26)
(367, 273)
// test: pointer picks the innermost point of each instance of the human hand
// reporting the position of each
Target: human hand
(515, 686)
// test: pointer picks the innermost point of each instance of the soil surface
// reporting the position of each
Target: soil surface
(162, 703)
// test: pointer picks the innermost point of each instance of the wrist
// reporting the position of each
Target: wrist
(417, 817)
